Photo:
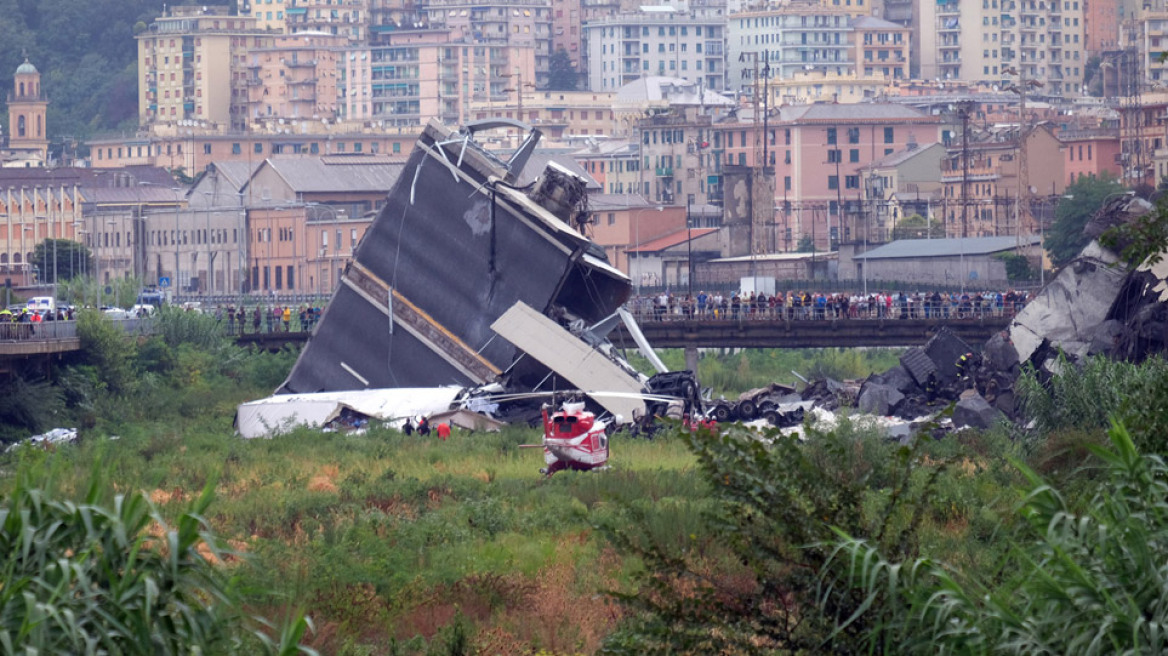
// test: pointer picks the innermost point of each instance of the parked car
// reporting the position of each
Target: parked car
(116, 313)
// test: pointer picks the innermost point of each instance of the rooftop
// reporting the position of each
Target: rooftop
(672, 239)
(916, 248)
(833, 112)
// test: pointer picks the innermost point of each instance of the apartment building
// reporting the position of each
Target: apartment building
(981, 181)
(1091, 153)
(295, 78)
(882, 48)
(192, 66)
(822, 151)
(568, 31)
(673, 121)
(268, 14)
(794, 38)
(972, 40)
(656, 41)
(499, 24)
(615, 164)
(1102, 26)
(347, 18)
(808, 87)
(560, 115)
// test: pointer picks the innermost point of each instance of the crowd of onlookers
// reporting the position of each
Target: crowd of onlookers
(800, 305)
(271, 318)
(20, 322)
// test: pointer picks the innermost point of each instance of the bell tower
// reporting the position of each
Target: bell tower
(26, 114)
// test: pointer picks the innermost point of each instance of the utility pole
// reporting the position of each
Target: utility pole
(1022, 213)
(963, 109)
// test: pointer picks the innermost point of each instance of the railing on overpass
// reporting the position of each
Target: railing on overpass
(62, 330)
(745, 327)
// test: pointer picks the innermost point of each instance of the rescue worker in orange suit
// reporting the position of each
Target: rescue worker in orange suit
(443, 431)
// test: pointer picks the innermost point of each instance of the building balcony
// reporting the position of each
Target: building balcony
(976, 174)
(300, 64)
(665, 171)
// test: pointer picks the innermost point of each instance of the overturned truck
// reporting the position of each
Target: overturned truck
(466, 278)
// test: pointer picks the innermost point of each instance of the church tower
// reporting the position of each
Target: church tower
(27, 136)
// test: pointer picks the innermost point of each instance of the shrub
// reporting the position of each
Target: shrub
(743, 581)
(108, 349)
(1080, 578)
(1084, 396)
(89, 578)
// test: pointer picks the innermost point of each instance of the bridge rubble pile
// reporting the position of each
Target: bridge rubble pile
(1093, 306)
(474, 277)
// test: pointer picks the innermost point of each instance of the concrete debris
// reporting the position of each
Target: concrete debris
(1092, 306)
(975, 412)
(879, 399)
(1079, 298)
(999, 354)
(49, 440)
(944, 348)
(918, 364)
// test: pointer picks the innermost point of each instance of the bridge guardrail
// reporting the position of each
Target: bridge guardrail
(56, 330)
(651, 313)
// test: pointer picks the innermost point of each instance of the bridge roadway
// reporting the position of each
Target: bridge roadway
(58, 338)
(806, 333)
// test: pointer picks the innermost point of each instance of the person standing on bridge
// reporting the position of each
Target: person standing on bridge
(255, 320)
(287, 316)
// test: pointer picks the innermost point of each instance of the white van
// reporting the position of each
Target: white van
(42, 304)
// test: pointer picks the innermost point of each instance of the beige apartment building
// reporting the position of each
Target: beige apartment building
(190, 150)
(192, 67)
(882, 48)
(820, 86)
(559, 115)
(497, 24)
(1043, 40)
(421, 74)
(294, 78)
(980, 195)
(346, 18)
(268, 14)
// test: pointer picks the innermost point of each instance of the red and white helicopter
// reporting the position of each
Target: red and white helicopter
(576, 438)
(573, 438)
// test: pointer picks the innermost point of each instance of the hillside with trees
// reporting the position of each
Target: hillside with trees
(87, 56)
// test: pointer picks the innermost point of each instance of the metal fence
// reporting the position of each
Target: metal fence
(56, 330)
(834, 287)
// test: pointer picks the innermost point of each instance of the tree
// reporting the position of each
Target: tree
(1017, 266)
(562, 75)
(918, 227)
(1143, 239)
(72, 259)
(806, 245)
(1065, 238)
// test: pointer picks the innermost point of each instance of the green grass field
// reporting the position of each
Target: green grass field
(384, 539)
